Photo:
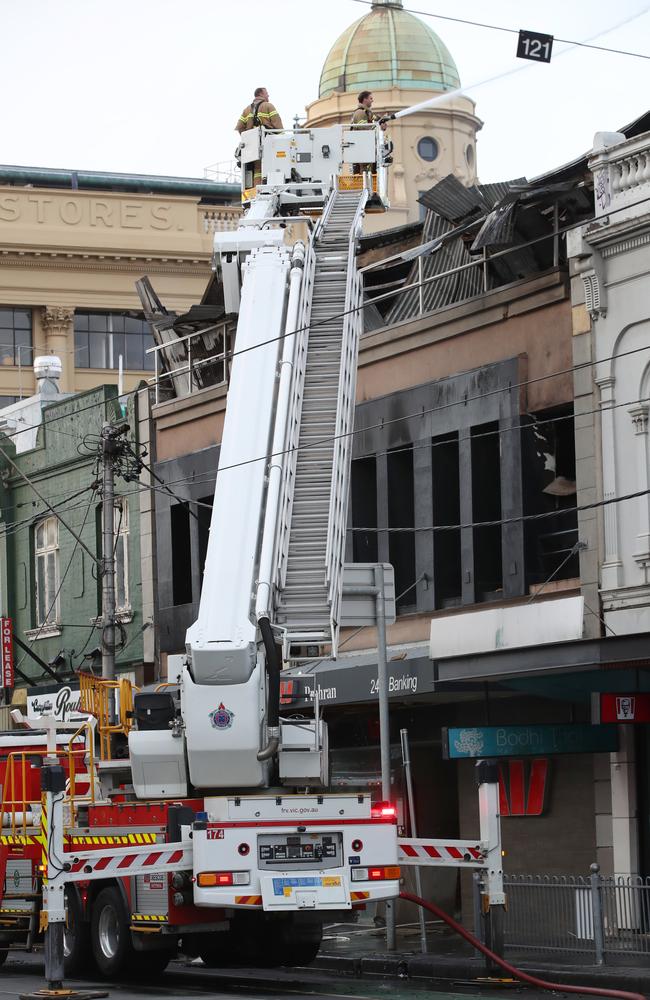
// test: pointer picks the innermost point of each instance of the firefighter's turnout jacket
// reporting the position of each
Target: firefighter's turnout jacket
(258, 113)
(364, 116)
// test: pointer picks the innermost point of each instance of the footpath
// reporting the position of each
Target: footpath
(358, 950)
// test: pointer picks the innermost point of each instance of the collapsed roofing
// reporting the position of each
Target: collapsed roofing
(474, 239)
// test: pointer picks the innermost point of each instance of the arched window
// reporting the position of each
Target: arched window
(428, 148)
(46, 570)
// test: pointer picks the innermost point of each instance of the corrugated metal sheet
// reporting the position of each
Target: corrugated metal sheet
(443, 291)
(453, 201)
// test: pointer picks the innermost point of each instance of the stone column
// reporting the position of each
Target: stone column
(639, 417)
(612, 566)
(57, 323)
(625, 825)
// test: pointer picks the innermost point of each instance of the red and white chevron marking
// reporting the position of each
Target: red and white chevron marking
(450, 853)
(125, 861)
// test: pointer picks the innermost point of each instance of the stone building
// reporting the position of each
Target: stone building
(73, 244)
(610, 261)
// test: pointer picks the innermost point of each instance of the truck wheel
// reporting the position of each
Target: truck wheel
(152, 963)
(77, 955)
(110, 936)
(299, 942)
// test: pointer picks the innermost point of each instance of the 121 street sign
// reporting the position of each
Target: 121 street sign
(534, 45)
(7, 652)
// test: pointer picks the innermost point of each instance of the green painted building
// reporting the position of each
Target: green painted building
(50, 580)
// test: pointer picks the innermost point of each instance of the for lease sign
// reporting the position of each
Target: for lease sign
(7, 652)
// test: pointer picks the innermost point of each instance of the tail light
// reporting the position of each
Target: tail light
(377, 873)
(384, 810)
(207, 880)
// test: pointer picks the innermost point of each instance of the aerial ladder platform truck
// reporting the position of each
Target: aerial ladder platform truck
(216, 832)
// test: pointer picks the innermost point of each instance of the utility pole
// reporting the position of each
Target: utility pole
(111, 448)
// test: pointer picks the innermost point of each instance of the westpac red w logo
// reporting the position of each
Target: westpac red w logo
(522, 786)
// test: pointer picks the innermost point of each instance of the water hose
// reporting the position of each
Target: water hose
(525, 977)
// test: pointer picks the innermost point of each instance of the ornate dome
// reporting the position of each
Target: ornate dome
(387, 48)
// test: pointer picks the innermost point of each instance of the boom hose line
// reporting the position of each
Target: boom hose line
(525, 977)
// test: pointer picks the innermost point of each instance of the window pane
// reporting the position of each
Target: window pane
(81, 321)
(23, 319)
(51, 586)
(81, 353)
(52, 532)
(119, 571)
(98, 352)
(97, 322)
(40, 590)
(6, 319)
(133, 352)
(23, 341)
(132, 325)
(6, 347)
(40, 535)
(119, 348)
(116, 323)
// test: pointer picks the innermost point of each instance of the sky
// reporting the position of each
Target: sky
(155, 86)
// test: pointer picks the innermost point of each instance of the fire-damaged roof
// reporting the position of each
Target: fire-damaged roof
(475, 239)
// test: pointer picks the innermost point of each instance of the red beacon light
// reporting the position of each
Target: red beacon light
(384, 810)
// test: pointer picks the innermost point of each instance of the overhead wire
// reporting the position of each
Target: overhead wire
(340, 315)
(515, 31)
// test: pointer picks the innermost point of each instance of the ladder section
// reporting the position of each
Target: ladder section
(304, 602)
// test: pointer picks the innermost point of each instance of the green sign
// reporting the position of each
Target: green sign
(522, 741)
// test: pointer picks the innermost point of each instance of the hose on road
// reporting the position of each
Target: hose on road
(525, 977)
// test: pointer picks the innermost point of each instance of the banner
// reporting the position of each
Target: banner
(7, 652)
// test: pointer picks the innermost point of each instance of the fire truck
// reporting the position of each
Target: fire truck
(198, 815)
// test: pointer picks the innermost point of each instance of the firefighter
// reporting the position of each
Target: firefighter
(259, 112)
(364, 117)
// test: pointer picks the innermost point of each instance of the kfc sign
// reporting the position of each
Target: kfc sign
(7, 652)
(621, 708)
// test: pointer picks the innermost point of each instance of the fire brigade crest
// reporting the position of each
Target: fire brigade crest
(221, 718)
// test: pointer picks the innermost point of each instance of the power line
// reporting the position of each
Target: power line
(346, 312)
(49, 505)
(515, 31)
(498, 522)
(46, 617)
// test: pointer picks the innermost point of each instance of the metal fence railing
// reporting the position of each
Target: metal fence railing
(594, 915)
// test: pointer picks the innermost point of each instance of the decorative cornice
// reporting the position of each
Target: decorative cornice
(108, 263)
(623, 246)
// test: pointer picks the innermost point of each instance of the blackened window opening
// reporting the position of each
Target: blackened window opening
(401, 514)
(181, 554)
(364, 509)
(549, 487)
(486, 506)
(446, 511)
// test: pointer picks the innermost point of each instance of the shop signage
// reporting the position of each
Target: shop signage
(616, 707)
(63, 701)
(523, 785)
(524, 741)
(7, 652)
(358, 683)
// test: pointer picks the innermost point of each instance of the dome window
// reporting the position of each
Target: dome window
(428, 148)
(469, 156)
